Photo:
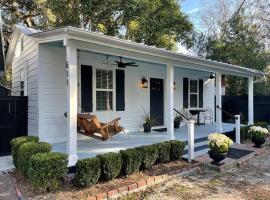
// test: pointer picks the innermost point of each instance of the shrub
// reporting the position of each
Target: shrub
(16, 143)
(132, 159)
(47, 170)
(261, 124)
(111, 165)
(87, 172)
(177, 150)
(28, 149)
(149, 155)
(164, 149)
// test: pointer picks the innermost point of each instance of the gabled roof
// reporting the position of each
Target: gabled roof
(17, 30)
(80, 34)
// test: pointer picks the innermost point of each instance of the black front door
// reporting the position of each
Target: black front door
(156, 101)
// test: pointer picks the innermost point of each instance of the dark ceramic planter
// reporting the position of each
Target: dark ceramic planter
(258, 142)
(147, 127)
(176, 124)
(216, 157)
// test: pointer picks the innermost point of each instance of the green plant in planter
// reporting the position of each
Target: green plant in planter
(219, 143)
(177, 120)
(257, 132)
(261, 124)
(148, 121)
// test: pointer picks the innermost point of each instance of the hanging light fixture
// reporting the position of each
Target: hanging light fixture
(174, 85)
(144, 83)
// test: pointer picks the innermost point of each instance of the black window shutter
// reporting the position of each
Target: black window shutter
(200, 93)
(120, 90)
(185, 92)
(86, 88)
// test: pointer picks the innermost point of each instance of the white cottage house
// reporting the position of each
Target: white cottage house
(72, 70)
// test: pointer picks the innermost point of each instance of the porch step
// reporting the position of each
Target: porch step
(200, 147)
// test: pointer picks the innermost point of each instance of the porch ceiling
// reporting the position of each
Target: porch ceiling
(114, 46)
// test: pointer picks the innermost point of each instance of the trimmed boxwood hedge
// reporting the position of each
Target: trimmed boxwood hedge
(87, 172)
(47, 170)
(111, 164)
(177, 149)
(28, 149)
(16, 143)
(149, 155)
(164, 150)
(132, 159)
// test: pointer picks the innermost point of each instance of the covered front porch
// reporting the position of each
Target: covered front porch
(184, 83)
(89, 147)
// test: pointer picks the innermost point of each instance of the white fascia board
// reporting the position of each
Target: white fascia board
(165, 56)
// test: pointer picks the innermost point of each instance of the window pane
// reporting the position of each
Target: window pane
(193, 86)
(102, 100)
(104, 79)
(193, 100)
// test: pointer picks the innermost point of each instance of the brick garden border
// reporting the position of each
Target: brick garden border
(142, 184)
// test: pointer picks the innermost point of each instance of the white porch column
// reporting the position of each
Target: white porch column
(250, 101)
(170, 101)
(72, 93)
(219, 103)
(191, 153)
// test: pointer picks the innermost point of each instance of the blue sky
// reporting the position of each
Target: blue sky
(191, 7)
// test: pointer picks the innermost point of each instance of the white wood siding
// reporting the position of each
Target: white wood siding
(52, 99)
(53, 91)
(27, 60)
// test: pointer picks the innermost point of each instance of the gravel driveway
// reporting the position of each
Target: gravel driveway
(249, 182)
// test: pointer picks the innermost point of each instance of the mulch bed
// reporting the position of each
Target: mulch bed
(68, 191)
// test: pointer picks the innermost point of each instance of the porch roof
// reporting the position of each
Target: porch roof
(162, 56)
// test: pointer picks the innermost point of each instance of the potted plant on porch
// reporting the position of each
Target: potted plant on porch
(219, 145)
(147, 125)
(177, 121)
(257, 134)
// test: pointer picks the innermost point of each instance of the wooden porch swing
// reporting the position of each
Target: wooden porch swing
(90, 126)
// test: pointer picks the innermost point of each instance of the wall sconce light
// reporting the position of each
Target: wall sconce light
(144, 83)
(174, 85)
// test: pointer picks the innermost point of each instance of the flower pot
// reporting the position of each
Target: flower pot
(216, 156)
(147, 127)
(176, 124)
(258, 142)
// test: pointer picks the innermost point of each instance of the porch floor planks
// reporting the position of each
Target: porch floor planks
(90, 147)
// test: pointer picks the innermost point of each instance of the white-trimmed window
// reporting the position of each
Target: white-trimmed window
(193, 93)
(104, 89)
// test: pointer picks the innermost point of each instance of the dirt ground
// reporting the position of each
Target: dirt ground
(249, 182)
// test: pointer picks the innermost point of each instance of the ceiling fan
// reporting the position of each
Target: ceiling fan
(212, 76)
(122, 64)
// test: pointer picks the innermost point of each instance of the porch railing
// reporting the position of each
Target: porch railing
(181, 114)
(237, 123)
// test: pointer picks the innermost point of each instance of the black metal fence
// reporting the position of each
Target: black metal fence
(13, 121)
(239, 105)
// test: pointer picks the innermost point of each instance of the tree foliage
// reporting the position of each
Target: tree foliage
(153, 22)
(238, 45)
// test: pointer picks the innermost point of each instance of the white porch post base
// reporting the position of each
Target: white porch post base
(218, 103)
(72, 159)
(237, 129)
(250, 102)
(191, 153)
(170, 101)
